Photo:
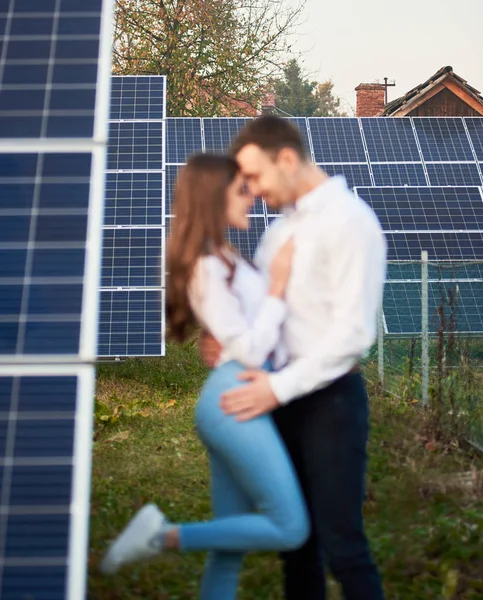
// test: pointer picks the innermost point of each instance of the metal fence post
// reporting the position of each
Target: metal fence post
(424, 328)
(380, 346)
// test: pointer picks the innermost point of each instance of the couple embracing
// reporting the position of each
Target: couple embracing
(284, 411)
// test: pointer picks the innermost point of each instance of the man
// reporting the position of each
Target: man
(319, 400)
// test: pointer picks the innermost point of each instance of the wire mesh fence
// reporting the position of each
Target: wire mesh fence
(430, 340)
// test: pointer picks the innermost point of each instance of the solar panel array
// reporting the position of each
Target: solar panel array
(132, 296)
(423, 176)
(54, 77)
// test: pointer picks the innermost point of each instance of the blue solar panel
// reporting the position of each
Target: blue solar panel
(390, 140)
(220, 133)
(183, 138)
(131, 258)
(398, 174)
(461, 302)
(475, 129)
(171, 175)
(44, 205)
(48, 78)
(135, 145)
(336, 140)
(449, 246)
(443, 139)
(131, 323)
(138, 97)
(354, 174)
(134, 199)
(301, 124)
(453, 174)
(420, 209)
(246, 241)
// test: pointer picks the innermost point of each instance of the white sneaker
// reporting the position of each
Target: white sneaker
(142, 539)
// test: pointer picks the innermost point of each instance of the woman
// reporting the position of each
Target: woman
(211, 284)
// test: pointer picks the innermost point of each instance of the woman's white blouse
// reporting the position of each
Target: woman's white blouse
(241, 315)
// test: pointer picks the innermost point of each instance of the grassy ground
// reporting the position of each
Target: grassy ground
(425, 527)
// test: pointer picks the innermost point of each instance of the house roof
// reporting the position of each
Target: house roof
(445, 77)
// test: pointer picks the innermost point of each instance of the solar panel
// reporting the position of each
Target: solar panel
(301, 124)
(171, 175)
(475, 130)
(419, 209)
(49, 68)
(453, 174)
(460, 301)
(220, 133)
(133, 199)
(131, 257)
(132, 323)
(54, 77)
(135, 145)
(441, 246)
(138, 97)
(390, 140)
(398, 174)
(443, 139)
(183, 138)
(356, 175)
(336, 140)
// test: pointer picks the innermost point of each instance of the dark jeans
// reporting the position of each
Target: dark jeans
(326, 435)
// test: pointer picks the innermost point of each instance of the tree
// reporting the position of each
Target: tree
(328, 105)
(295, 95)
(216, 53)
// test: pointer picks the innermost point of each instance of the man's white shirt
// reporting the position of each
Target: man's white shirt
(335, 289)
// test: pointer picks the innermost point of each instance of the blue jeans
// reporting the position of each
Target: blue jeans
(251, 471)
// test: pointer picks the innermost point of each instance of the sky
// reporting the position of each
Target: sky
(357, 41)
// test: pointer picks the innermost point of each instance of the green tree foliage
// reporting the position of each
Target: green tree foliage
(297, 96)
(217, 54)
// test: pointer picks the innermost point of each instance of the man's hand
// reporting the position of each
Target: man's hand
(250, 400)
(210, 349)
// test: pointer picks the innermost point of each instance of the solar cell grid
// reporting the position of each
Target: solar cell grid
(336, 140)
(135, 145)
(137, 97)
(453, 174)
(441, 246)
(443, 139)
(390, 140)
(398, 174)
(134, 199)
(356, 175)
(183, 138)
(132, 257)
(475, 130)
(48, 69)
(426, 208)
(301, 124)
(246, 241)
(220, 133)
(131, 323)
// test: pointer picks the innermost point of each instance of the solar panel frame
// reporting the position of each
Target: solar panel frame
(442, 246)
(180, 139)
(474, 126)
(443, 139)
(336, 140)
(135, 146)
(398, 174)
(426, 208)
(453, 174)
(355, 174)
(219, 132)
(390, 140)
(151, 87)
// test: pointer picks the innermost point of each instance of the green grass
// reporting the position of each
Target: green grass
(426, 535)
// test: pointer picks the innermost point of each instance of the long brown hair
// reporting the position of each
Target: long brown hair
(198, 229)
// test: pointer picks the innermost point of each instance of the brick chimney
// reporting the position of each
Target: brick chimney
(370, 99)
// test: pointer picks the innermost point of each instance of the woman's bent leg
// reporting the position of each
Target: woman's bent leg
(220, 579)
(254, 454)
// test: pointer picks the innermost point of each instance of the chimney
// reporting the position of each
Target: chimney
(268, 102)
(370, 99)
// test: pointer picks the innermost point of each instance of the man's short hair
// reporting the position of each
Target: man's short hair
(271, 134)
